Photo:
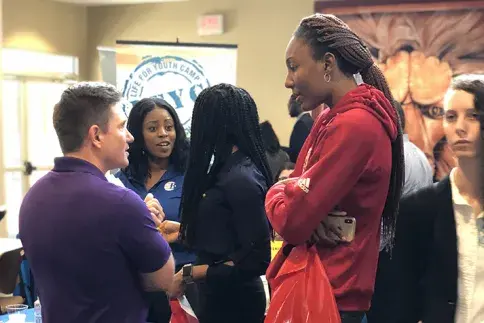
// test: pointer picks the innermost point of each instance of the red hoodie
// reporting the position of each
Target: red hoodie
(345, 161)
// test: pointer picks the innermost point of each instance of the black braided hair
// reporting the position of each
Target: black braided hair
(138, 166)
(224, 116)
(329, 34)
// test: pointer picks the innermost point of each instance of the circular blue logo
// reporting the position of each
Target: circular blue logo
(170, 186)
(174, 79)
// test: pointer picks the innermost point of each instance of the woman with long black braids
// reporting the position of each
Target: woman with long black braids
(352, 160)
(222, 210)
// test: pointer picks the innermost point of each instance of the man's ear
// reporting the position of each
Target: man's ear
(95, 136)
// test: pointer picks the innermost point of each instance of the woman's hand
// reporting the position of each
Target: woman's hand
(326, 234)
(287, 180)
(178, 286)
(155, 208)
(170, 230)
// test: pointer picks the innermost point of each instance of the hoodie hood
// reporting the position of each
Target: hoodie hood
(372, 100)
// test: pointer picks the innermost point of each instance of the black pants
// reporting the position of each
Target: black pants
(234, 302)
(351, 317)
(160, 311)
(381, 302)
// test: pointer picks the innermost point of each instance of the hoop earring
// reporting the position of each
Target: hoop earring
(327, 78)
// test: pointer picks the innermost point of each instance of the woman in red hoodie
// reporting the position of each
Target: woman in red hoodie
(352, 159)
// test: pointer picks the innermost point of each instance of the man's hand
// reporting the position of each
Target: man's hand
(170, 230)
(155, 209)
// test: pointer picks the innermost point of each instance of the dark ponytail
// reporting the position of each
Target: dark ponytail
(374, 76)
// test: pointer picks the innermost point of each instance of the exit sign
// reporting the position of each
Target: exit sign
(210, 25)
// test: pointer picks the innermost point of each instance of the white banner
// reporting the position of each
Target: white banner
(176, 73)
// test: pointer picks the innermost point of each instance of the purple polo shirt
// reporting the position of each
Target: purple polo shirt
(87, 241)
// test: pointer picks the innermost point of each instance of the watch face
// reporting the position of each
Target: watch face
(187, 271)
(187, 274)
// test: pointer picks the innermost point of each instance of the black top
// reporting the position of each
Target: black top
(231, 223)
(300, 132)
(276, 162)
(424, 263)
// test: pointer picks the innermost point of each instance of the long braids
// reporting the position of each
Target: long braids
(223, 116)
(327, 33)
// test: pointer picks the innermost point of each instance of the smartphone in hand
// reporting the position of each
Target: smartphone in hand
(343, 224)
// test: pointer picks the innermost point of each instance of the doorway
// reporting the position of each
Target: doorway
(29, 140)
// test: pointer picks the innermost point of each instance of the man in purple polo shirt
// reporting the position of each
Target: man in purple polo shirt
(92, 246)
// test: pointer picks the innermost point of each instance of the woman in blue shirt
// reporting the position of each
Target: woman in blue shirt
(157, 162)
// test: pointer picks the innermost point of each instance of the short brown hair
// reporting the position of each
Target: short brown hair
(81, 106)
(472, 85)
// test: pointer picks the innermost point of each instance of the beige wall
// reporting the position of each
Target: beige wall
(261, 29)
(46, 26)
(3, 223)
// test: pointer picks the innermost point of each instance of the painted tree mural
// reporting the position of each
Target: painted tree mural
(420, 53)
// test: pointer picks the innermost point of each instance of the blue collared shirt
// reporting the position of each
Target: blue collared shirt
(168, 192)
(418, 172)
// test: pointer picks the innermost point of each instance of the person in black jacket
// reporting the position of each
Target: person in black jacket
(418, 175)
(437, 263)
(222, 209)
(276, 156)
(301, 129)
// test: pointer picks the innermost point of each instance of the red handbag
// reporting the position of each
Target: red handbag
(301, 291)
(179, 314)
